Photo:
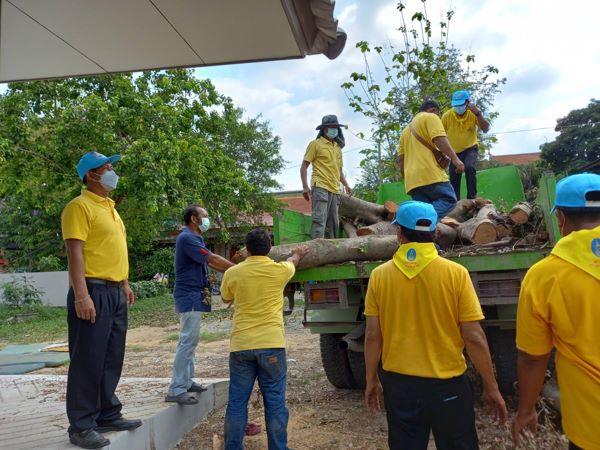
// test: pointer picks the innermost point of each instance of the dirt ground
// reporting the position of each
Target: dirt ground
(321, 416)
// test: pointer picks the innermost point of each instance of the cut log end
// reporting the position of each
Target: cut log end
(484, 233)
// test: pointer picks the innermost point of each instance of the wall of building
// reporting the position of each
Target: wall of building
(53, 285)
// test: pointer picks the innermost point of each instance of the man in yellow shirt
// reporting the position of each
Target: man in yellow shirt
(422, 311)
(424, 179)
(325, 154)
(257, 348)
(96, 304)
(461, 124)
(559, 307)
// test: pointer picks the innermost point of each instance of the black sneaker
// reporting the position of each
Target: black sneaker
(196, 387)
(120, 424)
(88, 439)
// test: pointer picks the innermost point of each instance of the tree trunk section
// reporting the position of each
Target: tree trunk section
(349, 228)
(520, 213)
(369, 213)
(445, 235)
(377, 228)
(478, 231)
(335, 251)
(391, 208)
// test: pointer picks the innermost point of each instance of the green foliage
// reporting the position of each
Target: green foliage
(145, 266)
(578, 142)
(181, 142)
(147, 289)
(20, 293)
(49, 324)
(50, 263)
(417, 71)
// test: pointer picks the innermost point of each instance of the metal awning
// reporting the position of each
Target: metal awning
(42, 39)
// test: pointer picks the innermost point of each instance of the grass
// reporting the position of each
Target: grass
(210, 336)
(171, 337)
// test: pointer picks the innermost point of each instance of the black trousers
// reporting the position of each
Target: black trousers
(469, 158)
(97, 351)
(415, 406)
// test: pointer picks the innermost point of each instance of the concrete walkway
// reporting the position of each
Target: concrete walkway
(32, 413)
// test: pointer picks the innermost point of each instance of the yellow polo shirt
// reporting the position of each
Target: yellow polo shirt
(559, 306)
(326, 158)
(461, 130)
(95, 221)
(420, 167)
(256, 287)
(420, 317)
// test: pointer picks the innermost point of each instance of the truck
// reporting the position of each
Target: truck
(334, 295)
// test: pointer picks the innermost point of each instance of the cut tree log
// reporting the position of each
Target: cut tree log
(378, 228)
(445, 235)
(391, 207)
(353, 208)
(465, 208)
(478, 231)
(334, 251)
(520, 213)
(349, 228)
(489, 211)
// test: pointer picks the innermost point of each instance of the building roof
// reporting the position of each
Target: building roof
(517, 159)
(62, 38)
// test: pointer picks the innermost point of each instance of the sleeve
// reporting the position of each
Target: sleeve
(434, 126)
(534, 335)
(196, 250)
(75, 222)
(469, 308)
(311, 152)
(371, 306)
(445, 120)
(402, 143)
(289, 270)
(226, 288)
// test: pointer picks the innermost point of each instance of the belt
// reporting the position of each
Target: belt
(108, 283)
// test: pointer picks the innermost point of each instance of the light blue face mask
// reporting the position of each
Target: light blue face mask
(460, 110)
(332, 133)
(109, 180)
(205, 224)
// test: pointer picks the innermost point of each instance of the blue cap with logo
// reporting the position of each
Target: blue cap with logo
(93, 160)
(460, 97)
(409, 213)
(572, 191)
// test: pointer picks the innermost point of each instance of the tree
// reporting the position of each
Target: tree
(417, 71)
(181, 142)
(578, 142)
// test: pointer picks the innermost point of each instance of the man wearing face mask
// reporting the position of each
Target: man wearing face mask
(325, 154)
(559, 308)
(192, 297)
(96, 304)
(461, 124)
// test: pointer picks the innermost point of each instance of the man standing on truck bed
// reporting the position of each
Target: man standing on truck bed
(422, 311)
(325, 153)
(559, 307)
(424, 179)
(461, 124)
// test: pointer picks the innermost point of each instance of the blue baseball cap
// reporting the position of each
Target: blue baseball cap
(571, 191)
(93, 160)
(460, 97)
(409, 213)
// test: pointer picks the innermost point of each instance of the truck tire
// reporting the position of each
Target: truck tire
(335, 361)
(504, 355)
(357, 366)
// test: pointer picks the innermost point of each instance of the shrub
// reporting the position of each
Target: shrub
(146, 266)
(20, 293)
(147, 289)
(50, 263)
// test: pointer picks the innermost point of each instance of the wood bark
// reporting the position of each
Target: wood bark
(478, 231)
(349, 228)
(335, 251)
(353, 208)
(520, 213)
(445, 235)
(378, 228)
(391, 208)
(503, 229)
(463, 210)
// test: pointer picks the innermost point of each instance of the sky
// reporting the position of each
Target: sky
(548, 51)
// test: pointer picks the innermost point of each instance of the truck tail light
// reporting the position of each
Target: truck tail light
(325, 295)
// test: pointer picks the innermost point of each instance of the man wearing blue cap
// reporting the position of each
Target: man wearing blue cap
(96, 304)
(461, 124)
(559, 308)
(422, 311)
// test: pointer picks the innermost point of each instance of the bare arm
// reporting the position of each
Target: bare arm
(483, 124)
(443, 144)
(297, 254)
(373, 348)
(84, 306)
(219, 263)
(531, 370)
(347, 187)
(401, 163)
(479, 352)
(304, 178)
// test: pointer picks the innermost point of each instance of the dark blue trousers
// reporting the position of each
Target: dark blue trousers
(469, 159)
(97, 351)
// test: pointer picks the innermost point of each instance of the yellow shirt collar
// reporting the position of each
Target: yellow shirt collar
(411, 258)
(95, 197)
(582, 249)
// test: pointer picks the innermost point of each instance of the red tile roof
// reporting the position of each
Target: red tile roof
(517, 159)
(296, 203)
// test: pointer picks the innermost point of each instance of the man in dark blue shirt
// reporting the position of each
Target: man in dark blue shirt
(192, 296)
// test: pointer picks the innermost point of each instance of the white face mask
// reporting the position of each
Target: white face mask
(205, 224)
(109, 180)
